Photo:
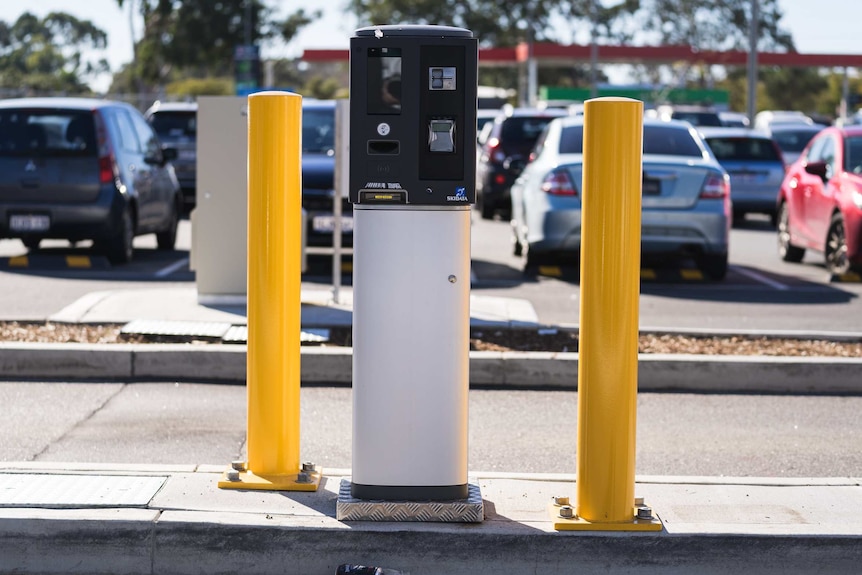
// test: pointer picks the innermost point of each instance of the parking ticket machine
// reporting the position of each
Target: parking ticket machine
(412, 183)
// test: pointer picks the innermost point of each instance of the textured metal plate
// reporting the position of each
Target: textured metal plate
(236, 334)
(61, 491)
(314, 335)
(470, 510)
(177, 328)
(239, 334)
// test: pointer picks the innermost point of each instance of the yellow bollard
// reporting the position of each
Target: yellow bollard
(608, 341)
(274, 299)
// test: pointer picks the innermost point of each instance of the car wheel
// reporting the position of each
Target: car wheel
(487, 211)
(836, 247)
(31, 244)
(534, 259)
(167, 238)
(773, 219)
(713, 266)
(119, 248)
(787, 250)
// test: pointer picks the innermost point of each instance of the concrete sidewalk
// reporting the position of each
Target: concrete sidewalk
(141, 519)
(156, 520)
(180, 308)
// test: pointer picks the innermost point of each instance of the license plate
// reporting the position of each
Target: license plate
(29, 223)
(327, 224)
(651, 187)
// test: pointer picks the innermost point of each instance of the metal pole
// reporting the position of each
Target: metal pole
(341, 185)
(610, 284)
(532, 75)
(274, 308)
(594, 51)
(843, 107)
(753, 28)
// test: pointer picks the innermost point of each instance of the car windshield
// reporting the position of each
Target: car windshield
(47, 133)
(318, 130)
(793, 140)
(523, 131)
(657, 140)
(170, 125)
(744, 149)
(671, 141)
(853, 155)
(698, 118)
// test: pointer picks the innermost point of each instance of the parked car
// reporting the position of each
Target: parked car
(734, 120)
(85, 169)
(685, 197)
(694, 115)
(506, 143)
(318, 175)
(484, 116)
(177, 126)
(769, 118)
(755, 166)
(820, 203)
(792, 138)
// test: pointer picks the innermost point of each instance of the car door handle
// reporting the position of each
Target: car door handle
(132, 167)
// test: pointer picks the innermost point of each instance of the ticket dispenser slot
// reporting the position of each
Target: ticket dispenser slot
(383, 147)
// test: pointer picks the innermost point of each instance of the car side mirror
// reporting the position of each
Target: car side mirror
(817, 169)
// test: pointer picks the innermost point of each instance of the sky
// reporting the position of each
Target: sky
(835, 31)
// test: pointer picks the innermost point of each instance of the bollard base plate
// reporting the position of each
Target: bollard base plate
(289, 482)
(581, 524)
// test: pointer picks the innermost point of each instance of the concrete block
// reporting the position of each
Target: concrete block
(189, 362)
(86, 541)
(65, 360)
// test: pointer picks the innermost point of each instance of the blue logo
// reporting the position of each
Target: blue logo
(460, 195)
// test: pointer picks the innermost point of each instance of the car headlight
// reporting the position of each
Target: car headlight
(857, 198)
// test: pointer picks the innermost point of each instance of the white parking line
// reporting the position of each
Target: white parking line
(164, 272)
(760, 278)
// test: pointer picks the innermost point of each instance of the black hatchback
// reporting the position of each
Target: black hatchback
(505, 146)
(85, 169)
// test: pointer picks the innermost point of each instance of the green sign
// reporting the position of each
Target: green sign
(720, 98)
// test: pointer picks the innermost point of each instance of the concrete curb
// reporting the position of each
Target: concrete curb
(333, 365)
(711, 526)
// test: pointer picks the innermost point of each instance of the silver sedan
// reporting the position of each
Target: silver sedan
(685, 197)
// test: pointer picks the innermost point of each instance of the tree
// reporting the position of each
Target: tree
(493, 22)
(198, 38)
(713, 24)
(47, 55)
(793, 88)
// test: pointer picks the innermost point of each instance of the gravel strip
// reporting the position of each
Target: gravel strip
(481, 340)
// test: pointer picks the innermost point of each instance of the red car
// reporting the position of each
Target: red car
(820, 202)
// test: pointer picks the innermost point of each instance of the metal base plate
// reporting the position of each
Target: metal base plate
(581, 524)
(470, 510)
(249, 480)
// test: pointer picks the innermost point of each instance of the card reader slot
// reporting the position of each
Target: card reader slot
(384, 147)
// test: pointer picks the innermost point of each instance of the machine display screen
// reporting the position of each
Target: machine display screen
(384, 80)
